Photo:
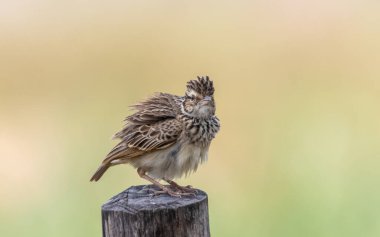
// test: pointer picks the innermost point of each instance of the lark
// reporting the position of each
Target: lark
(167, 137)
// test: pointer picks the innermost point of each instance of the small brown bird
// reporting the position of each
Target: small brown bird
(168, 136)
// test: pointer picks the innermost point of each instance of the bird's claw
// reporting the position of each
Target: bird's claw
(174, 193)
(166, 191)
(186, 189)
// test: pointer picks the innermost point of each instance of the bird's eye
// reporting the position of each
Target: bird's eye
(192, 98)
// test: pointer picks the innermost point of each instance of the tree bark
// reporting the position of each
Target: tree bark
(135, 212)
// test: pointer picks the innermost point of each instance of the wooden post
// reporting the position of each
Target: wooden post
(135, 212)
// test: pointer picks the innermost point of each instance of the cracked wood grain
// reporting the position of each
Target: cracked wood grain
(134, 212)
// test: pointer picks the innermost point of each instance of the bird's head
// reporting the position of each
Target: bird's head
(199, 98)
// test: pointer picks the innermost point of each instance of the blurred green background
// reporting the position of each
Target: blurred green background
(297, 92)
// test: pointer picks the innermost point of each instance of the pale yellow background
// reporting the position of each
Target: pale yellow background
(297, 91)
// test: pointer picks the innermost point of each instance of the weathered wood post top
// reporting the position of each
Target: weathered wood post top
(135, 212)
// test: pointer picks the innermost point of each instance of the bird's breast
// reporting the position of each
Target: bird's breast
(173, 162)
(200, 131)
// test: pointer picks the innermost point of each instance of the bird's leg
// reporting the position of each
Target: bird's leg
(163, 188)
(183, 189)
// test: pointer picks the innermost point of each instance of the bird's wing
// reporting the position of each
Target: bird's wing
(156, 108)
(159, 107)
(141, 139)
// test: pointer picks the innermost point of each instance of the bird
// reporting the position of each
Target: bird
(167, 137)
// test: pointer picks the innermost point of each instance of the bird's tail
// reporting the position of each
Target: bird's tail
(99, 173)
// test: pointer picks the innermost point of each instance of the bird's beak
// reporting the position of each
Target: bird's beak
(207, 98)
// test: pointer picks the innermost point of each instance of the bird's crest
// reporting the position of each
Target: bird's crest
(202, 86)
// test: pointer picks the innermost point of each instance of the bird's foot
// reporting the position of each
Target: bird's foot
(166, 190)
(185, 189)
(172, 192)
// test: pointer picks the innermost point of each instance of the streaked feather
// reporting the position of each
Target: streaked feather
(168, 135)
